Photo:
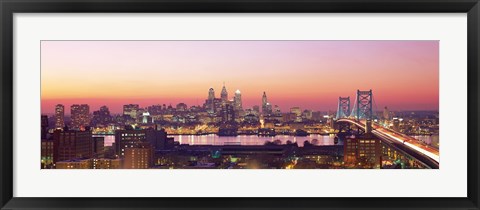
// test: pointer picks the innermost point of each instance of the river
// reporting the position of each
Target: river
(213, 139)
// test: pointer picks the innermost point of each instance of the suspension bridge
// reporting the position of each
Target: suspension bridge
(362, 117)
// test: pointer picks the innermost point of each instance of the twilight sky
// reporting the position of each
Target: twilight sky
(403, 75)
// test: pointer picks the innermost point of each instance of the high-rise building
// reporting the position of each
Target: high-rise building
(139, 156)
(80, 114)
(224, 94)
(102, 116)
(264, 102)
(44, 125)
(298, 113)
(228, 113)
(296, 110)
(131, 110)
(237, 101)
(72, 144)
(211, 94)
(210, 103)
(386, 114)
(59, 117)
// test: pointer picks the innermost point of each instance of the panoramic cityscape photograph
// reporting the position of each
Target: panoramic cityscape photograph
(238, 104)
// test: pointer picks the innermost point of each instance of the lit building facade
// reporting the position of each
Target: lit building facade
(224, 94)
(131, 110)
(59, 117)
(102, 116)
(80, 114)
(362, 152)
(228, 113)
(74, 164)
(237, 101)
(72, 144)
(47, 152)
(138, 157)
(104, 163)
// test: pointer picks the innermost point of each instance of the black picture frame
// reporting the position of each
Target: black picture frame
(9, 7)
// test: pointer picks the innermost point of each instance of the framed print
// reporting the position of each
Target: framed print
(239, 105)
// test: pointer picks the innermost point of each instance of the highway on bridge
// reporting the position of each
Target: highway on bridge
(409, 145)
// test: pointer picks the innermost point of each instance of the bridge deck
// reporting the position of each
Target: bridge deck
(411, 146)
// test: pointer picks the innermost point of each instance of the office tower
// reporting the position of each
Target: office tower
(298, 113)
(224, 94)
(131, 110)
(140, 156)
(210, 102)
(44, 125)
(296, 110)
(386, 114)
(80, 116)
(102, 116)
(211, 94)
(72, 144)
(228, 113)
(59, 117)
(264, 103)
(237, 100)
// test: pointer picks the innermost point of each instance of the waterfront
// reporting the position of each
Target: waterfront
(213, 139)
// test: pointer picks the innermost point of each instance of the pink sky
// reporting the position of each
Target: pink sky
(403, 75)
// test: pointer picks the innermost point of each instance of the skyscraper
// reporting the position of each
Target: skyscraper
(131, 110)
(210, 103)
(386, 114)
(224, 94)
(237, 101)
(228, 113)
(211, 94)
(264, 103)
(59, 116)
(102, 116)
(80, 116)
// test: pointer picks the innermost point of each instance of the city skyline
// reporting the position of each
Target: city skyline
(306, 74)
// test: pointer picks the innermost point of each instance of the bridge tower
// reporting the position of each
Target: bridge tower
(363, 105)
(343, 110)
